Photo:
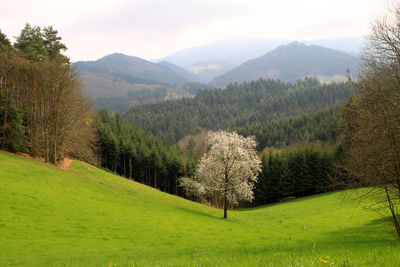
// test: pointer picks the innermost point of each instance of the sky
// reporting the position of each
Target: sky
(153, 29)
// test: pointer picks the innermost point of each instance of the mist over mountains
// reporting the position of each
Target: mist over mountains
(290, 63)
(212, 60)
(129, 80)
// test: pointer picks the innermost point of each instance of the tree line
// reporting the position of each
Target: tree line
(239, 106)
(133, 153)
(292, 173)
(42, 109)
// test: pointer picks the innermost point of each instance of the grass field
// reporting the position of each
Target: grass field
(87, 217)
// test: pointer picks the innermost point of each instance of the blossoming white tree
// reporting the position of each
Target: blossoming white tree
(230, 168)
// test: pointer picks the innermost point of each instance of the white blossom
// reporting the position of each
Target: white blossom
(230, 168)
(193, 189)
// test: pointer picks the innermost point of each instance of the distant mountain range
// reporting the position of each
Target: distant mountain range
(290, 63)
(117, 74)
(131, 81)
(229, 54)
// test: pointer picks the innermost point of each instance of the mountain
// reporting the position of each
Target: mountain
(117, 74)
(233, 52)
(209, 69)
(290, 63)
(236, 52)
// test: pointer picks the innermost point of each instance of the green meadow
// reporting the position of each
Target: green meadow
(85, 216)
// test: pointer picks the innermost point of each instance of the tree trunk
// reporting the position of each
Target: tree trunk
(125, 174)
(130, 168)
(391, 207)
(155, 178)
(5, 126)
(225, 207)
(225, 193)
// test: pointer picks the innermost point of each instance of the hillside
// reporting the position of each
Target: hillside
(117, 81)
(84, 216)
(237, 106)
(116, 74)
(136, 70)
(290, 63)
(322, 126)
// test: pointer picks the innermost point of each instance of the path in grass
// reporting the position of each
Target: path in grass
(84, 216)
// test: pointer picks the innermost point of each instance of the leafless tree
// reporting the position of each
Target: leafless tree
(372, 116)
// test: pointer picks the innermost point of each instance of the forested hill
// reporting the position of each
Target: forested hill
(132, 152)
(238, 106)
(136, 70)
(117, 81)
(116, 74)
(290, 63)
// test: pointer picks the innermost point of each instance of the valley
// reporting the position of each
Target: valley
(85, 216)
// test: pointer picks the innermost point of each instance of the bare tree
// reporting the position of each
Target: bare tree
(37, 80)
(372, 116)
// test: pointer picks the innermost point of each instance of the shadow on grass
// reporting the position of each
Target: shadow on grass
(299, 199)
(375, 232)
(204, 214)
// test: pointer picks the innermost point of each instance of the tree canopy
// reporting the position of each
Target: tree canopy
(229, 169)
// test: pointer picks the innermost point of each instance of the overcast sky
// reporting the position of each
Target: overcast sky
(156, 28)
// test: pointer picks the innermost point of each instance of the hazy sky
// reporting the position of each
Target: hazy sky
(155, 28)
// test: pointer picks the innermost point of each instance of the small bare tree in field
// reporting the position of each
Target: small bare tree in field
(229, 169)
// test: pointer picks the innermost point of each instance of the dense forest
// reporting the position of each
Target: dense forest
(239, 106)
(295, 173)
(322, 126)
(133, 153)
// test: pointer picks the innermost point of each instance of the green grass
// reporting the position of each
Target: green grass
(87, 217)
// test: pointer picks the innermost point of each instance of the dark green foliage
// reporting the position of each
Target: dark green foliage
(135, 154)
(296, 173)
(12, 132)
(320, 126)
(239, 106)
(30, 43)
(4, 41)
(52, 42)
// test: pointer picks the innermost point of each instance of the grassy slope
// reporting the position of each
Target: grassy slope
(85, 216)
